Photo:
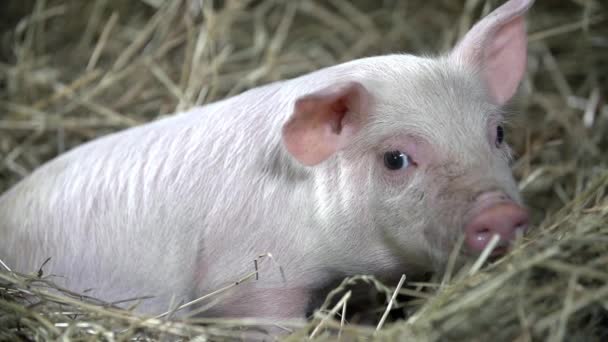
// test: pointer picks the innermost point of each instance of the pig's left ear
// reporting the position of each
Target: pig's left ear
(325, 121)
(497, 46)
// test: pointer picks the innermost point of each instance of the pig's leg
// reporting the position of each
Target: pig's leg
(274, 305)
(279, 303)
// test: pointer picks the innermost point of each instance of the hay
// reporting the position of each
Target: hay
(72, 70)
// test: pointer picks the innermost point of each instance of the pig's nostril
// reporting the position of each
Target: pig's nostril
(521, 229)
(522, 223)
(481, 235)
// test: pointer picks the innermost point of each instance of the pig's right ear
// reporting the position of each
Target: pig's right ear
(497, 47)
(325, 121)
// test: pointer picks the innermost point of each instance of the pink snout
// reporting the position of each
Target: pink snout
(503, 218)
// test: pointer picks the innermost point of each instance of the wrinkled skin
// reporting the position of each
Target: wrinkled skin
(182, 206)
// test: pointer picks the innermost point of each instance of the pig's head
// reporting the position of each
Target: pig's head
(409, 153)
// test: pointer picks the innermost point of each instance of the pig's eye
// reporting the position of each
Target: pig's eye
(500, 135)
(395, 160)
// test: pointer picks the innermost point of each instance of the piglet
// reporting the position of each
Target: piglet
(374, 166)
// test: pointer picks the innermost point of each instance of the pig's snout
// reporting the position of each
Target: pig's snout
(496, 215)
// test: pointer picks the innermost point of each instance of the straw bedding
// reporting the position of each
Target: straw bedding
(72, 70)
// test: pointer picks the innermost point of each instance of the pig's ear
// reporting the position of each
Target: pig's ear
(325, 121)
(497, 46)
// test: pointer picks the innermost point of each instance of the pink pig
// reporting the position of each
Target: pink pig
(374, 166)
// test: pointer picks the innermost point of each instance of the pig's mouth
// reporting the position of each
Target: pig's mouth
(501, 248)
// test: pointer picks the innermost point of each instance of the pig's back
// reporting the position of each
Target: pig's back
(116, 204)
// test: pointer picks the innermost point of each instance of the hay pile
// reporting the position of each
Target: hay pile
(73, 70)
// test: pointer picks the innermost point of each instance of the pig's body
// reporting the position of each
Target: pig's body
(182, 206)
